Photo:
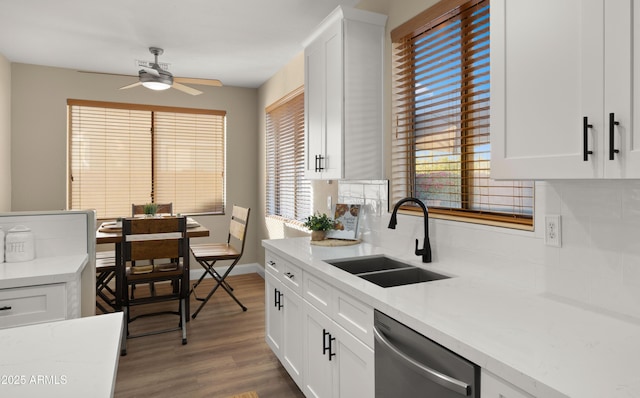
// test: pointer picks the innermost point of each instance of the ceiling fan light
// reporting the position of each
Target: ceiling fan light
(158, 86)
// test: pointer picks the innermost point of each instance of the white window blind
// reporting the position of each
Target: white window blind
(121, 154)
(441, 143)
(288, 192)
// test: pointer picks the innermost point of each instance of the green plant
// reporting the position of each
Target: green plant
(319, 222)
(150, 208)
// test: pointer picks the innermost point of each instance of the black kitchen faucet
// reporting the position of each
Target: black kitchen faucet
(426, 247)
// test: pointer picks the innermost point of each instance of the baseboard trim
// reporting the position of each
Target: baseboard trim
(196, 273)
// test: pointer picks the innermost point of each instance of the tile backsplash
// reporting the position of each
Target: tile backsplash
(598, 265)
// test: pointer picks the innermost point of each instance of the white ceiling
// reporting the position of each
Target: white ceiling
(240, 42)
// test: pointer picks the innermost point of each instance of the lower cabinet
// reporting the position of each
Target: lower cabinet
(284, 329)
(492, 386)
(336, 364)
(302, 327)
(33, 304)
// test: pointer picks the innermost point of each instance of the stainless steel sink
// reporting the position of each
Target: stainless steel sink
(359, 265)
(384, 271)
(405, 276)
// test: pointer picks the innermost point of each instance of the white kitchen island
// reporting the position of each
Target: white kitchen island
(545, 347)
(71, 358)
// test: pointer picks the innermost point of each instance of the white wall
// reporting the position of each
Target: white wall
(5, 134)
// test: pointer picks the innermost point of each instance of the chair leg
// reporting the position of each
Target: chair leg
(125, 331)
(183, 320)
(221, 282)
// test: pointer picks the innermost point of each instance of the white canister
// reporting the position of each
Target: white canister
(19, 244)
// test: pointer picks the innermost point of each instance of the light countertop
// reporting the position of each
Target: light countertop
(72, 358)
(40, 271)
(544, 346)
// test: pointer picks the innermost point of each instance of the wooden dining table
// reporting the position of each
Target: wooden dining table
(112, 235)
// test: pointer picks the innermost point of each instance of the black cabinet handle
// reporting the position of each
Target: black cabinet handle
(612, 125)
(5, 308)
(277, 298)
(327, 344)
(289, 275)
(585, 139)
(319, 163)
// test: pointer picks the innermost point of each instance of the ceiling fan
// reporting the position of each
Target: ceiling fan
(155, 76)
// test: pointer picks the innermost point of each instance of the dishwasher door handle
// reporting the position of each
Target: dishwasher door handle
(450, 383)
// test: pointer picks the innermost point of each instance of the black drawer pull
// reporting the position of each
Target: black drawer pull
(612, 126)
(585, 139)
(5, 308)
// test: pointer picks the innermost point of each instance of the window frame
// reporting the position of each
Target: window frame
(301, 206)
(404, 140)
(218, 131)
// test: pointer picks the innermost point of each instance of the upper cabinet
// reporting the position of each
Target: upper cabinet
(564, 89)
(343, 96)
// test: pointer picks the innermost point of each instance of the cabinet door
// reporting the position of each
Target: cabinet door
(546, 76)
(334, 72)
(273, 314)
(293, 338)
(314, 94)
(354, 371)
(318, 372)
(324, 104)
(622, 89)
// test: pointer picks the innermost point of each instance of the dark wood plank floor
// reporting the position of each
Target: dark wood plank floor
(226, 352)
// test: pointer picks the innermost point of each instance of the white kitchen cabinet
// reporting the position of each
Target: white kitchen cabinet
(33, 304)
(492, 386)
(283, 325)
(303, 315)
(343, 96)
(336, 364)
(555, 84)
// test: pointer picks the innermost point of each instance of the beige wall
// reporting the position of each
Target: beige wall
(39, 136)
(5, 134)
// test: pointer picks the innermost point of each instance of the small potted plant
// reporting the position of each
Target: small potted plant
(150, 209)
(319, 224)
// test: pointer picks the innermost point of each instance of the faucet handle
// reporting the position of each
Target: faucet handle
(418, 252)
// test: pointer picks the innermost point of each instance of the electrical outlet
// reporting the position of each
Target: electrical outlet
(553, 230)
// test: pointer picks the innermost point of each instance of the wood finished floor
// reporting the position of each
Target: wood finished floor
(226, 352)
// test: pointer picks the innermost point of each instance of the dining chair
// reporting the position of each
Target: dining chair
(208, 254)
(105, 273)
(163, 241)
(162, 208)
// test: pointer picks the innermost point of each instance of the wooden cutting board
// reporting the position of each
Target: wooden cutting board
(334, 242)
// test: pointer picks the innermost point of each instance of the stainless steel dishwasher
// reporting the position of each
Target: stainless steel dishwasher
(408, 364)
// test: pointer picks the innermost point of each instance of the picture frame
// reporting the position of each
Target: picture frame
(347, 217)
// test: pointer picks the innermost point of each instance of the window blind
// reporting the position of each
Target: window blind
(121, 154)
(441, 143)
(288, 192)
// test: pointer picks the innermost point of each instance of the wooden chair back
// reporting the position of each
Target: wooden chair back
(154, 238)
(163, 208)
(238, 226)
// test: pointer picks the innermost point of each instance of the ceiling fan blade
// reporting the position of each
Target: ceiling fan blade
(202, 82)
(131, 86)
(105, 73)
(186, 89)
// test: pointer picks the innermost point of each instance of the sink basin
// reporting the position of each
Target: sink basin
(359, 265)
(405, 276)
(384, 271)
